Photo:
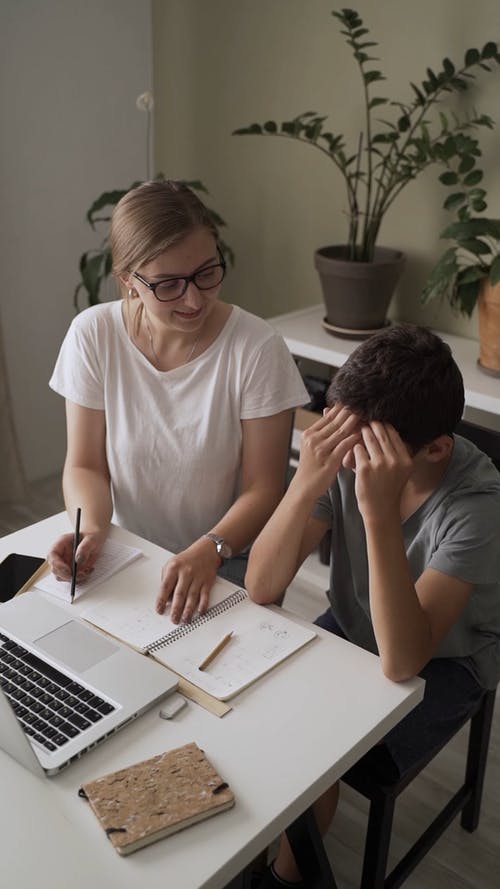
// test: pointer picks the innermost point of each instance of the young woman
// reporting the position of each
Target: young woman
(178, 405)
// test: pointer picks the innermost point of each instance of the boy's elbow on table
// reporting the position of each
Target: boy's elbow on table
(398, 668)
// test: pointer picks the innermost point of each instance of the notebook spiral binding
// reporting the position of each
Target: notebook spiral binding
(185, 629)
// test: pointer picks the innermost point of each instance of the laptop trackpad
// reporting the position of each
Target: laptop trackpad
(76, 646)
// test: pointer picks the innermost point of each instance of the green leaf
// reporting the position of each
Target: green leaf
(404, 123)
(372, 76)
(432, 77)
(473, 178)
(290, 127)
(442, 276)
(472, 57)
(448, 178)
(448, 67)
(489, 51)
(270, 126)
(477, 193)
(444, 121)
(465, 296)
(91, 270)
(495, 271)
(479, 227)
(475, 246)
(449, 147)
(363, 57)
(466, 164)
(106, 199)
(420, 100)
(479, 206)
(313, 131)
(473, 273)
(254, 129)
(377, 101)
(384, 138)
(454, 200)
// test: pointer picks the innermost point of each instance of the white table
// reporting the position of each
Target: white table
(288, 738)
(306, 338)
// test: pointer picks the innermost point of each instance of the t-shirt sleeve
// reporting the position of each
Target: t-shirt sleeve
(322, 509)
(273, 382)
(469, 547)
(77, 374)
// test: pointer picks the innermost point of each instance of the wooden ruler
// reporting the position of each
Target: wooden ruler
(193, 693)
(29, 583)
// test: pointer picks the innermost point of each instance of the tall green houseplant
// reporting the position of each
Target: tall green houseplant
(391, 151)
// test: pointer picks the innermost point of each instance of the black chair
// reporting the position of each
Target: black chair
(383, 797)
(384, 794)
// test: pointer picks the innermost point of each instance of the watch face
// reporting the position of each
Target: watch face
(224, 550)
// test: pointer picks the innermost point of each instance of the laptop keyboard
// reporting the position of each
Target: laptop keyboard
(51, 707)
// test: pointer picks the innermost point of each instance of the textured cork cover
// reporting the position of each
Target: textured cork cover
(149, 800)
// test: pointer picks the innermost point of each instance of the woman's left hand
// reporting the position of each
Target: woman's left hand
(187, 579)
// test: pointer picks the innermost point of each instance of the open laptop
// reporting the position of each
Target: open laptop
(65, 687)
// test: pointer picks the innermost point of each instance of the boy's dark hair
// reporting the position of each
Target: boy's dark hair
(406, 376)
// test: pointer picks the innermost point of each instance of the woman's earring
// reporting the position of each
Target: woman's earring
(131, 292)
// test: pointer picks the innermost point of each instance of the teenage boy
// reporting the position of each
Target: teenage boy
(414, 515)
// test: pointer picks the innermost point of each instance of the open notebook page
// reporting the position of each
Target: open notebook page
(262, 638)
(131, 616)
(112, 558)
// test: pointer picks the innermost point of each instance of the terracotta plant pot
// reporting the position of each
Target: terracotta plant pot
(357, 294)
(488, 309)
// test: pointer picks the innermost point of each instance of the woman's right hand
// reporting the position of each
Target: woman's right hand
(60, 557)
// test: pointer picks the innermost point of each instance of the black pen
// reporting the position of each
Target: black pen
(76, 540)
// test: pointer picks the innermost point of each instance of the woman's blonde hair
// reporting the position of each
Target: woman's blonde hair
(150, 218)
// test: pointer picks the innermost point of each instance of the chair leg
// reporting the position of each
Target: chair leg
(477, 754)
(309, 852)
(378, 839)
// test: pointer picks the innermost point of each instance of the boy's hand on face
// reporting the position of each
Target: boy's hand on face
(383, 466)
(324, 446)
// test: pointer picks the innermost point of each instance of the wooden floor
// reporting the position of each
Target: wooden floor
(459, 860)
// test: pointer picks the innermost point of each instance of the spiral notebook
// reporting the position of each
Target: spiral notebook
(261, 638)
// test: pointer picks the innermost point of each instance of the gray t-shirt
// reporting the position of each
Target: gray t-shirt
(456, 531)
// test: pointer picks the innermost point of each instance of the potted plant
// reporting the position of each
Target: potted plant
(358, 277)
(96, 263)
(468, 275)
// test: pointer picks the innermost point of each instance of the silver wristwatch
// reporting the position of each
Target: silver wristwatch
(223, 548)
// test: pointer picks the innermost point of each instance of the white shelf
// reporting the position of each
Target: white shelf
(306, 338)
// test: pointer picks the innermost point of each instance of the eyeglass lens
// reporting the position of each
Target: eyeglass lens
(205, 279)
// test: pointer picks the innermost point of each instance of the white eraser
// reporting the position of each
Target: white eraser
(172, 705)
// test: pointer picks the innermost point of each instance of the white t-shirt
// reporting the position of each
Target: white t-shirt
(173, 438)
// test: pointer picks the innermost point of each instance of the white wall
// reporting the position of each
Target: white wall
(70, 72)
(222, 64)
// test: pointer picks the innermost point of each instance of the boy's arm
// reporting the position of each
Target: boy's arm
(409, 620)
(291, 533)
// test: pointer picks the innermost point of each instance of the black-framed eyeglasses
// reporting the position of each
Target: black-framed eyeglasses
(175, 287)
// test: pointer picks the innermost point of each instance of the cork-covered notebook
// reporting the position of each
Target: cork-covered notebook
(150, 800)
